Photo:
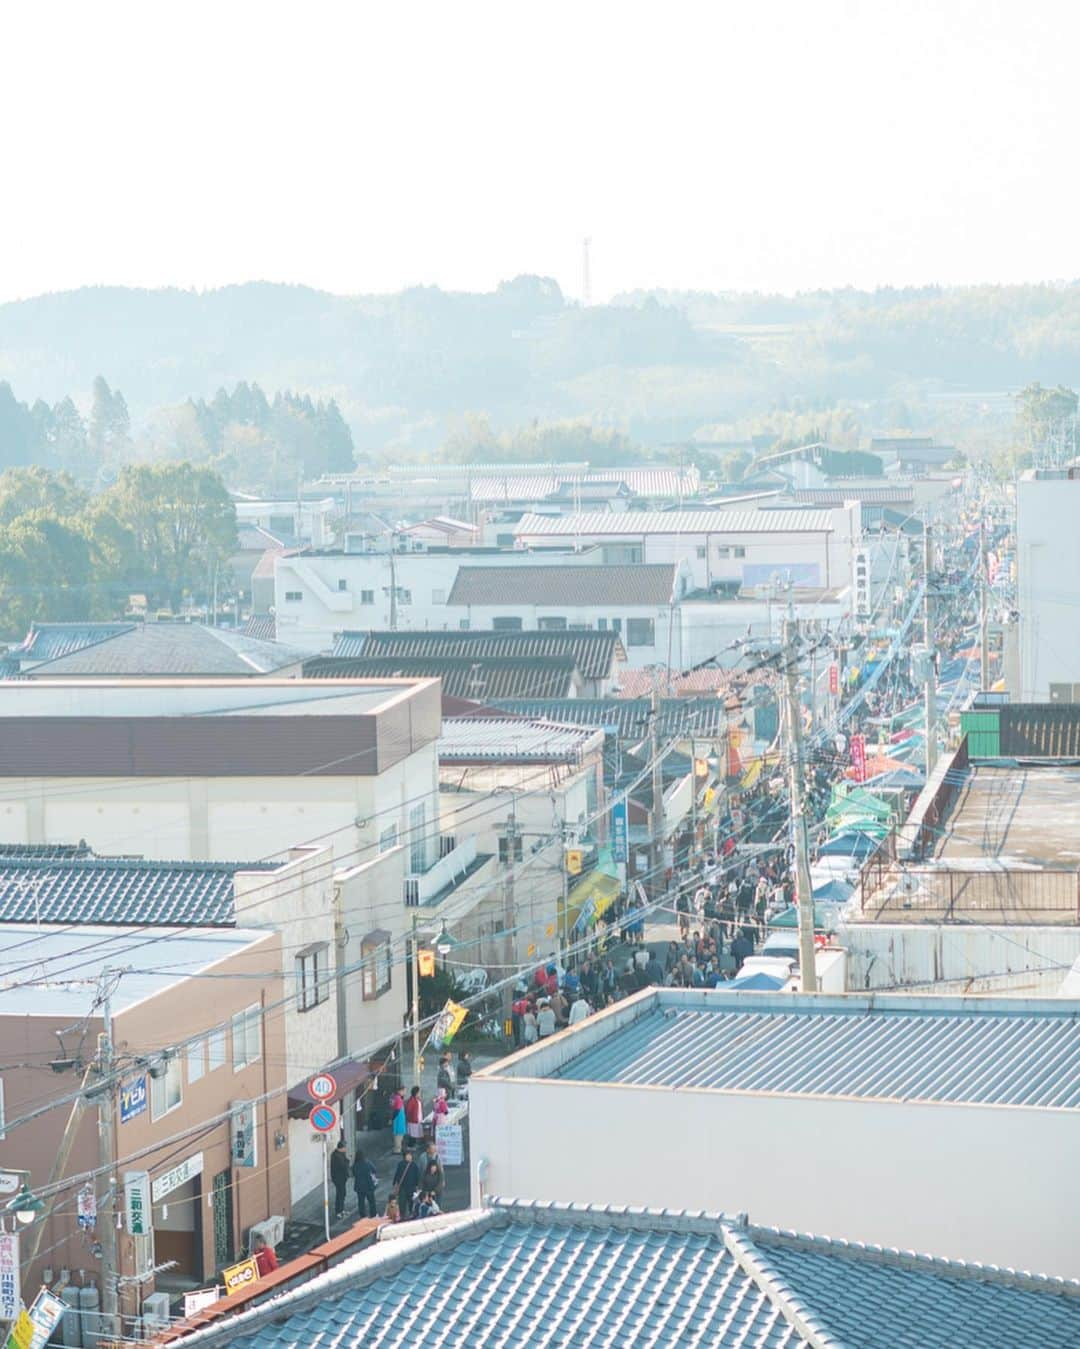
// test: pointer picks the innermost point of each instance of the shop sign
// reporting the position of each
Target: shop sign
(242, 1126)
(10, 1302)
(450, 1144)
(179, 1175)
(45, 1316)
(137, 1217)
(240, 1276)
(133, 1098)
(620, 834)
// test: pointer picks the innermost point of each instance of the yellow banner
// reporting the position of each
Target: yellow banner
(22, 1332)
(447, 1024)
(240, 1276)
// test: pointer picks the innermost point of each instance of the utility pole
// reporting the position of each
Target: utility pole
(984, 625)
(512, 836)
(107, 1163)
(928, 638)
(393, 583)
(415, 1000)
(804, 896)
(656, 851)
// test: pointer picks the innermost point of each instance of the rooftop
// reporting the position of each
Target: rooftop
(469, 739)
(74, 957)
(541, 676)
(184, 697)
(47, 641)
(635, 523)
(108, 890)
(517, 485)
(627, 718)
(970, 1051)
(184, 649)
(643, 584)
(562, 1275)
(595, 653)
(1021, 815)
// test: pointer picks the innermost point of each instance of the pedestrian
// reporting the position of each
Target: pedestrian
(545, 1021)
(464, 1069)
(393, 1211)
(405, 1181)
(682, 908)
(447, 1078)
(414, 1115)
(439, 1109)
(397, 1120)
(265, 1255)
(364, 1184)
(742, 948)
(429, 1158)
(431, 1182)
(579, 1010)
(339, 1174)
(654, 971)
(530, 1029)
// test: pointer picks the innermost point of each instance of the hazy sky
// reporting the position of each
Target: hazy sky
(764, 144)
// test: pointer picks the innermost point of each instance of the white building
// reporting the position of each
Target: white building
(298, 521)
(1048, 585)
(318, 595)
(753, 548)
(908, 1122)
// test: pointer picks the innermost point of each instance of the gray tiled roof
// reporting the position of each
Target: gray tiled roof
(949, 1050)
(635, 523)
(562, 1275)
(642, 584)
(106, 890)
(49, 641)
(628, 718)
(502, 739)
(462, 677)
(173, 649)
(595, 653)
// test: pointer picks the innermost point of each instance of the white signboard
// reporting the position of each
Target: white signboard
(202, 1297)
(45, 1314)
(450, 1144)
(10, 1301)
(9, 1183)
(137, 1216)
(179, 1175)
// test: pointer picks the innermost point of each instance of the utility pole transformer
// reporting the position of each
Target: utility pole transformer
(804, 895)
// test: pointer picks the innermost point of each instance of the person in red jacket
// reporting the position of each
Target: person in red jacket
(414, 1115)
(265, 1257)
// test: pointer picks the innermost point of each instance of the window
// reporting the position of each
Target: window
(284, 526)
(438, 597)
(417, 842)
(507, 624)
(167, 1091)
(504, 540)
(551, 624)
(215, 1049)
(294, 596)
(375, 965)
(404, 595)
(312, 976)
(342, 583)
(701, 550)
(196, 1060)
(367, 597)
(463, 624)
(616, 625)
(581, 627)
(246, 1037)
(640, 632)
(723, 551)
(388, 838)
(504, 849)
(740, 551)
(601, 625)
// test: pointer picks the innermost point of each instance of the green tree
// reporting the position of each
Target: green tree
(182, 524)
(18, 433)
(109, 432)
(1046, 416)
(45, 568)
(36, 489)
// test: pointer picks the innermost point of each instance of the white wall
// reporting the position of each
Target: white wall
(710, 627)
(1048, 585)
(371, 898)
(973, 1183)
(480, 617)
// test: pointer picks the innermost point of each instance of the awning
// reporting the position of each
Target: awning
(349, 1074)
(593, 895)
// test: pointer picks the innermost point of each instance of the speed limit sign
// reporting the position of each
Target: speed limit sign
(322, 1087)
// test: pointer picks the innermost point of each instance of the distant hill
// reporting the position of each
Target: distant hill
(657, 366)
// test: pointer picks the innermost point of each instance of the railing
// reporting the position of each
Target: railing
(452, 866)
(903, 892)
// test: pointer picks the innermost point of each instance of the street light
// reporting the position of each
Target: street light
(444, 943)
(26, 1206)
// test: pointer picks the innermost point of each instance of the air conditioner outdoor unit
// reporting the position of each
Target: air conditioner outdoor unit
(155, 1311)
(272, 1231)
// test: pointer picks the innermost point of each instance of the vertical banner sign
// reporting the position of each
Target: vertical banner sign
(137, 1203)
(834, 679)
(858, 757)
(450, 1144)
(133, 1098)
(10, 1302)
(243, 1133)
(86, 1207)
(620, 835)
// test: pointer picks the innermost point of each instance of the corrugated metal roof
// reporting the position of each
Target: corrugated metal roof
(462, 676)
(641, 584)
(635, 523)
(836, 496)
(595, 653)
(173, 649)
(647, 482)
(48, 641)
(119, 890)
(502, 739)
(947, 1050)
(566, 1275)
(628, 718)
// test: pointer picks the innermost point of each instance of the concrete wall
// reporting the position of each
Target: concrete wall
(974, 1183)
(480, 617)
(1048, 565)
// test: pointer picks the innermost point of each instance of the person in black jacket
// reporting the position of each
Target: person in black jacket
(364, 1184)
(406, 1181)
(339, 1174)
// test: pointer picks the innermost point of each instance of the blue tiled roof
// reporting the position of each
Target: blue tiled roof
(558, 1275)
(119, 890)
(974, 1051)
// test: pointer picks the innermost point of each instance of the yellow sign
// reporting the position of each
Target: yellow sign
(425, 959)
(709, 798)
(574, 861)
(735, 736)
(447, 1024)
(240, 1276)
(530, 950)
(549, 931)
(21, 1335)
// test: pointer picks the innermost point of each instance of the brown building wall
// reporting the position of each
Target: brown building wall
(186, 1216)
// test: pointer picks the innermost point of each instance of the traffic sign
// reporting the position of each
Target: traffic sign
(324, 1118)
(322, 1087)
